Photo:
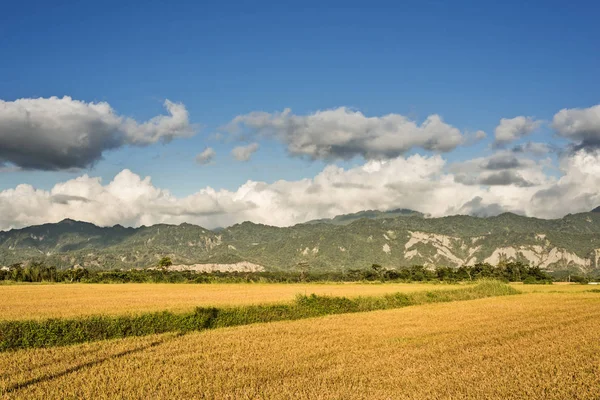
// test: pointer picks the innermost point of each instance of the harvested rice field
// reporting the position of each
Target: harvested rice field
(531, 345)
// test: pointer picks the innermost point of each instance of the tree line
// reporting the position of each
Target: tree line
(508, 272)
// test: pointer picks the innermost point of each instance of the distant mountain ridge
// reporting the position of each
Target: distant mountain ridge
(346, 219)
(393, 239)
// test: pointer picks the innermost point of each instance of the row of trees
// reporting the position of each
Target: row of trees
(40, 272)
(510, 272)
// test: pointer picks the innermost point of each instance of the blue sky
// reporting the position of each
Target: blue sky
(471, 62)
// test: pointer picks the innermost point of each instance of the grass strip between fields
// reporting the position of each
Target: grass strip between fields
(60, 332)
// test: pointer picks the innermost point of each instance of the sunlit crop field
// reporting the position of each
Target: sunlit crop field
(67, 300)
(536, 346)
(554, 288)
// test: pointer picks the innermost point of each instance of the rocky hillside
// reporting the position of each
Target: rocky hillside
(402, 239)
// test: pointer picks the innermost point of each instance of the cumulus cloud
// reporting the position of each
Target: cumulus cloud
(127, 200)
(511, 129)
(62, 133)
(415, 182)
(423, 183)
(581, 125)
(342, 133)
(577, 188)
(243, 153)
(206, 156)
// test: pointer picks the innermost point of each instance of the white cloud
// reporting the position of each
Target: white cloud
(511, 129)
(416, 182)
(581, 125)
(575, 191)
(62, 133)
(426, 184)
(206, 156)
(243, 153)
(127, 200)
(342, 133)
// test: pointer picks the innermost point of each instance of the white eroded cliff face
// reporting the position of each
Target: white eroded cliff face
(468, 251)
(443, 244)
(539, 257)
(242, 266)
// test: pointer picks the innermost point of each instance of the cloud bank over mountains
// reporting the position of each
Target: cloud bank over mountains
(533, 178)
(62, 133)
(424, 183)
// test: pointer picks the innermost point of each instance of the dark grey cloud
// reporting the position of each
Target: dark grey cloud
(505, 178)
(62, 133)
(502, 161)
(501, 178)
(67, 198)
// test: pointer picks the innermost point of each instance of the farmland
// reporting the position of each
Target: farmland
(35, 301)
(53, 301)
(544, 343)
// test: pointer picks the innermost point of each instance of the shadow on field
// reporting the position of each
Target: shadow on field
(6, 375)
(46, 378)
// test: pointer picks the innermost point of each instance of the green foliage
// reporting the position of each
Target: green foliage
(60, 332)
(165, 262)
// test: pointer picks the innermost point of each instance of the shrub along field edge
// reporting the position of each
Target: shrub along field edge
(60, 332)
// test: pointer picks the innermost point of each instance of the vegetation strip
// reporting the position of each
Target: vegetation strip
(60, 332)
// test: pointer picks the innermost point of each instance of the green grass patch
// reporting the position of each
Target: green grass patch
(60, 332)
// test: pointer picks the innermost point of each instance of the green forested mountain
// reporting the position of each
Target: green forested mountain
(401, 239)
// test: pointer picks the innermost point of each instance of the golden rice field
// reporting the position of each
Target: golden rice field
(67, 300)
(35, 301)
(528, 346)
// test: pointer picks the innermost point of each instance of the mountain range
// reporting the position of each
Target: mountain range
(392, 239)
